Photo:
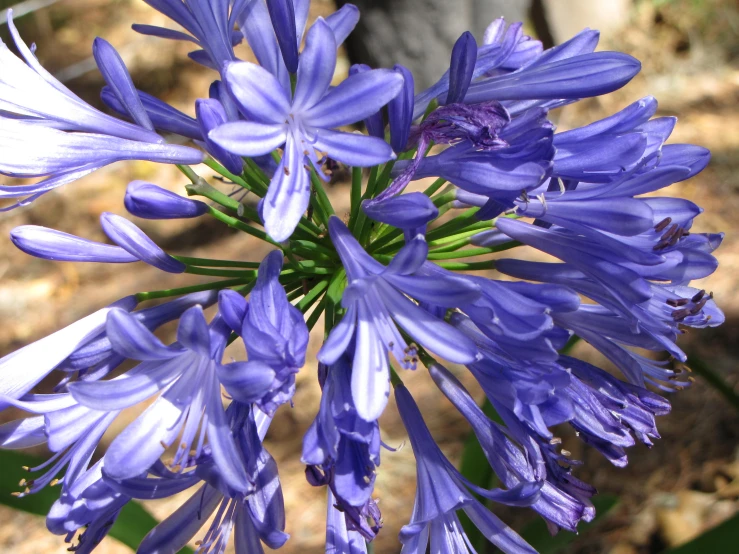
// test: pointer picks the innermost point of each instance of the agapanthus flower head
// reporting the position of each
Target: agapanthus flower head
(398, 280)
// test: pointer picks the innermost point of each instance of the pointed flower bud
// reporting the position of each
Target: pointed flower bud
(464, 56)
(134, 241)
(149, 201)
(282, 14)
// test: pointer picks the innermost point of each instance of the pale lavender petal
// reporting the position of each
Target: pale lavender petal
(317, 64)
(353, 149)
(360, 96)
(258, 93)
(288, 195)
(249, 138)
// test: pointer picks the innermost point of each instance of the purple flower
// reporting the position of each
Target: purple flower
(274, 333)
(256, 18)
(340, 538)
(254, 516)
(510, 461)
(441, 491)
(186, 378)
(512, 70)
(209, 22)
(163, 116)
(377, 298)
(342, 450)
(304, 124)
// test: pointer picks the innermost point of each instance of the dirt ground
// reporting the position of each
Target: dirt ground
(687, 482)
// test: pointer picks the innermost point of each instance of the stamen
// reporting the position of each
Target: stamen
(662, 224)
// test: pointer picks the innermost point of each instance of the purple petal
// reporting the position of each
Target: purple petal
(114, 72)
(400, 111)
(221, 441)
(339, 339)
(258, 93)
(405, 211)
(317, 64)
(192, 332)
(356, 98)
(132, 239)
(22, 433)
(353, 149)
(50, 244)
(343, 21)
(288, 195)
(130, 338)
(233, 307)
(246, 382)
(211, 115)
(24, 368)
(370, 377)
(577, 77)
(127, 390)
(434, 334)
(249, 138)
(175, 532)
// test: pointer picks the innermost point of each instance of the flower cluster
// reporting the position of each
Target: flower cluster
(404, 280)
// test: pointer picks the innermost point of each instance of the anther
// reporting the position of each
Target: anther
(286, 170)
(662, 224)
(698, 296)
(677, 302)
(671, 231)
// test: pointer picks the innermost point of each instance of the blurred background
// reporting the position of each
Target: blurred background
(669, 494)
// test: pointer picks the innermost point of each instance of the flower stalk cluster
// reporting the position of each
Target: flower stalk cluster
(406, 279)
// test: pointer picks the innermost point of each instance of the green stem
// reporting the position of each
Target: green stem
(474, 266)
(313, 319)
(245, 275)
(333, 299)
(241, 226)
(356, 195)
(157, 294)
(321, 196)
(435, 186)
(443, 241)
(451, 246)
(469, 253)
(202, 188)
(222, 171)
(202, 262)
(445, 198)
(309, 299)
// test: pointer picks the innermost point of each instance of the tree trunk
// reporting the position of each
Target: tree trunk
(420, 34)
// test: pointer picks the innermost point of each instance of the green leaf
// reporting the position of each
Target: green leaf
(132, 525)
(722, 538)
(537, 535)
(714, 379)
